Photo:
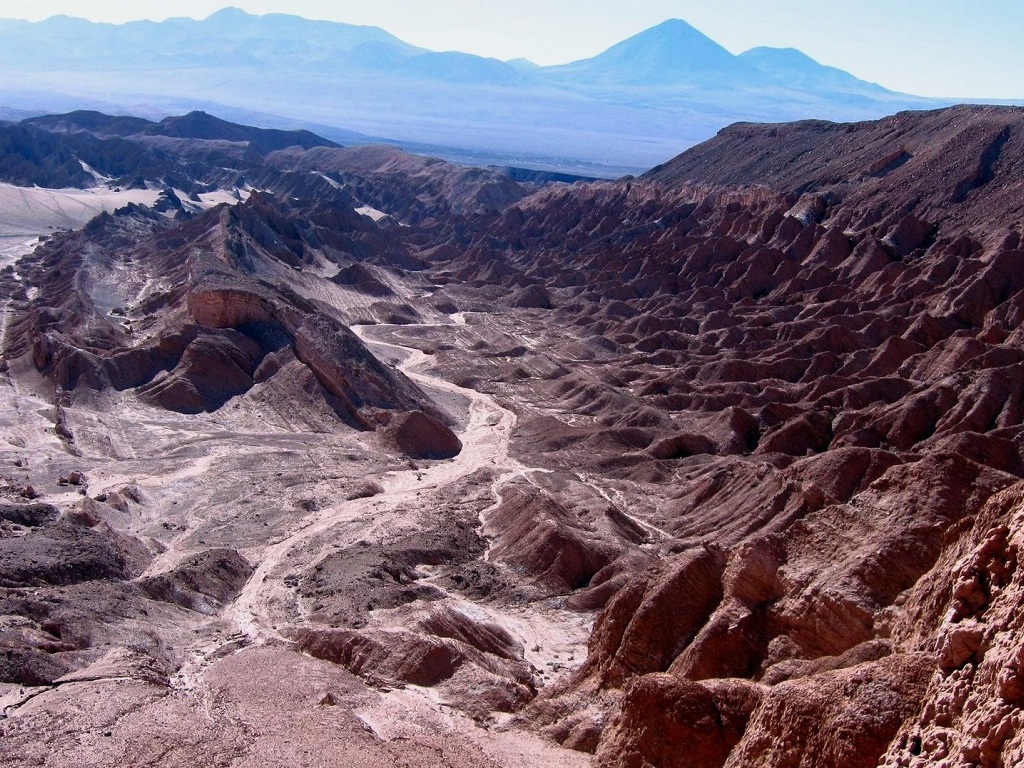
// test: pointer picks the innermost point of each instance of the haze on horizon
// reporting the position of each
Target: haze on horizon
(950, 49)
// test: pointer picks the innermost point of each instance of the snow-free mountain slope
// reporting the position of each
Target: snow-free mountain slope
(965, 163)
(230, 38)
(671, 53)
(624, 110)
(798, 70)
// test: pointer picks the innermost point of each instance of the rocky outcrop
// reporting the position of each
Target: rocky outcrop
(770, 431)
(484, 636)
(855, 641)
(203, 582)
(674, 723)
(531, 297)
(227, 307)
(235, 323)
(421, 436)
(632, 636)
(476, 669)
(360, 278)
(28, 515)
(836, 719)
(398, 657)
(60, 554)
(213, 368)
(965, 613)
(535, 535)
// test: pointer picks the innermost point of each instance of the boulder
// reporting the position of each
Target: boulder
(421, 436)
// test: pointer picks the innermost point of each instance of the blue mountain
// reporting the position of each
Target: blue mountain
(671, 53)
(628, 108)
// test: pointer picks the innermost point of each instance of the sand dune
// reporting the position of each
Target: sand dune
(28, 212)
(35, 211)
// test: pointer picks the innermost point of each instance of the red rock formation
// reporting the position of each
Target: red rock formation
(401, 657)
(203, 582)
(674, 723)
(836, 719)
(861, 338)
(776, 392)
(535, 535)
(421, 436)
(238, 321)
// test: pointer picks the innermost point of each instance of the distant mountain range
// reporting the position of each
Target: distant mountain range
(631, 107)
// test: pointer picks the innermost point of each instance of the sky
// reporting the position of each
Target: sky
(946, 48)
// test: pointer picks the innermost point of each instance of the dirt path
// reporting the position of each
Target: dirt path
(267, 605)
(485, 442)
(553, 641)
(266, 601)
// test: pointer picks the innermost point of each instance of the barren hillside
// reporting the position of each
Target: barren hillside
(386, 461)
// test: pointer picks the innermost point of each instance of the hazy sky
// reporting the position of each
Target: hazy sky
(962, 48)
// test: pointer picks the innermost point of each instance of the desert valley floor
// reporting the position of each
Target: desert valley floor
(343, 456)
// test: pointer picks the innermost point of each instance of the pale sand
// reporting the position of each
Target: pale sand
(27, 213)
